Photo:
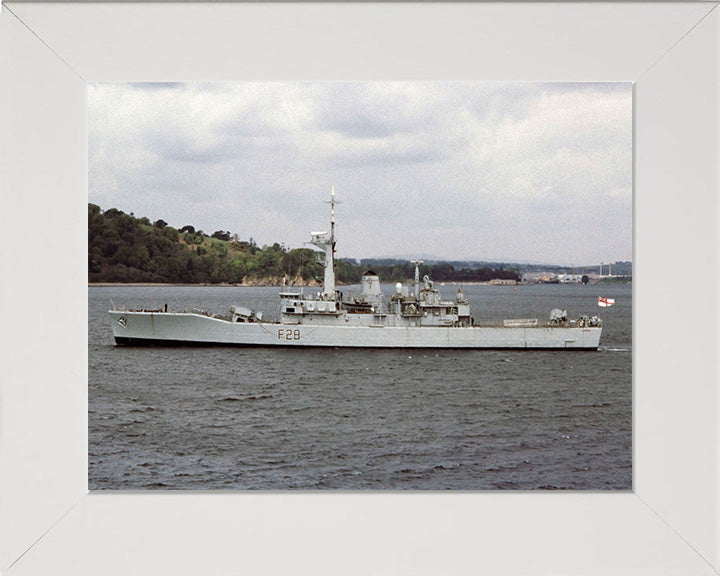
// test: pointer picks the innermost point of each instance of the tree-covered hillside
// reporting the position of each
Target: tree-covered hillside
(122, 248)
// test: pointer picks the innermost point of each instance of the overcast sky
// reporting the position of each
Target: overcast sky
(519, 172)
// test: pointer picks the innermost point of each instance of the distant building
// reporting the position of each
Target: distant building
(503, 282)
(569, 278)
(539, 277)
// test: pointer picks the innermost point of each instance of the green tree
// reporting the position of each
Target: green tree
(170, 233)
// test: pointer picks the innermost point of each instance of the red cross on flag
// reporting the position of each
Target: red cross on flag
(605, 302)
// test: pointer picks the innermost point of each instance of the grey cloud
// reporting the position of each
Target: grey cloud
(387, 158)
(188, 151)
(494, 163)
(355, 111)
(357, 125)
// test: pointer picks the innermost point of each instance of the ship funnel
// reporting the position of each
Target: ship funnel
(370, 284)
(371, 288)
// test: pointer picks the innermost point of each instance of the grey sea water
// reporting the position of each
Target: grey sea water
(274, 419)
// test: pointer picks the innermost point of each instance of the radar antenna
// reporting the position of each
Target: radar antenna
(332, 203)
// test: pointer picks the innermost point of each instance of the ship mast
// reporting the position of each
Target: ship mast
(417, 263)
(329, 284)
(326, 241)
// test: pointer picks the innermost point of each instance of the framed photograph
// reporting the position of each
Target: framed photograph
(423, 306)
(667, 523)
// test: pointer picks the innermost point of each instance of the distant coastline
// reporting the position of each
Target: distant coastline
(218, 285)
(262, 284)
(315, 285)
(127, 251)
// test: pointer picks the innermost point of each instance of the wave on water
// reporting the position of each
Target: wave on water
(247, 398)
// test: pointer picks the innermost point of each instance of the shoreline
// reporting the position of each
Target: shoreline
(218, 285)
(271, 285)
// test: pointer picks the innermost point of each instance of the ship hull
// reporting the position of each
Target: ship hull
(187, 329)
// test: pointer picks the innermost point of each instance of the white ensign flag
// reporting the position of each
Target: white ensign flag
(605, 302)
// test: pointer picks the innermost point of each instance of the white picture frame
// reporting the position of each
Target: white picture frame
(49, 523)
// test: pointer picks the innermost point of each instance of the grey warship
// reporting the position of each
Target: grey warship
(413, 316)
